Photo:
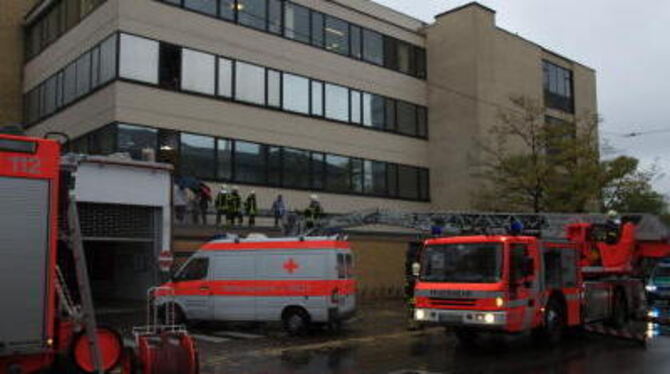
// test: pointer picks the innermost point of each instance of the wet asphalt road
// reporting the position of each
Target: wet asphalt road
(433, 351)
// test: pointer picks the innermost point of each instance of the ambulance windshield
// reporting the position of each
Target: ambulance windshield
(462, 263)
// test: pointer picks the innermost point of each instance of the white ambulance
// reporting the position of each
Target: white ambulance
(299, 281)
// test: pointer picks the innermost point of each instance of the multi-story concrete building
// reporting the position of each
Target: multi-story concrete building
(347, 98)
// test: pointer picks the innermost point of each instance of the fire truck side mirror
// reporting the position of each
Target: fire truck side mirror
(416, 269)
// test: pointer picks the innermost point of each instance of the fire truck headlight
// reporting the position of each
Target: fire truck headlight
(50, 342)
(500, 302)
(420, 314)
(653, 313)
(489, 318)
(650, 287)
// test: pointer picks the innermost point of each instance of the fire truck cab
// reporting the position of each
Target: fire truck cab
(514, 284)
(298, 281)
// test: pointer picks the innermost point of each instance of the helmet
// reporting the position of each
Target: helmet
(313, 197)
(252, 192)
(612, 214)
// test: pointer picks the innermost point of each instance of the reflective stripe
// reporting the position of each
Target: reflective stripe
(458, 294)
(516, 303)
(326, 244)
(574, 296)
(261, 288)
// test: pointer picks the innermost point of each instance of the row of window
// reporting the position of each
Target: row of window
(558, 87)
(91, 70)
(238, 161)
(61, 17)
(296, 22)
(176, 68)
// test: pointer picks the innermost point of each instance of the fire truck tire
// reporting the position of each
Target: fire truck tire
(296, 321)
(619, 310)
(553, 327)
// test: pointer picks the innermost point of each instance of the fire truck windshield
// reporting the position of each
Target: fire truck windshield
(462, 263)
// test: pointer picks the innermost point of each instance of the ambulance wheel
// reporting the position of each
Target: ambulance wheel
(296, 321)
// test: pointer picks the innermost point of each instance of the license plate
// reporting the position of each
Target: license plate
(448, 317)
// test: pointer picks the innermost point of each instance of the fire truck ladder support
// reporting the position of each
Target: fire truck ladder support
(87, 312)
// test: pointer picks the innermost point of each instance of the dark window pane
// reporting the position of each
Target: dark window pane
(356, 42)
(50, 95)
(421, 67)
(296, 22)
(70, 90)
(108, 59)
(406, 61)
(392, 179)
(72, 13)
(249, 83)
(53, 24)
(296, 93)
(408, 182)
(224, 159)
(227, 9)
(135, 140)
(170, 66)
(424, 184)
(296, 168)
(390, 115)
(275, 166)
(318, 170)
(83, 74)
(33, 40)
(338, 174)
(103, 141)
(357, 175)
(202, 6)
(373, 47)
(390, 53)
(197, 158)
(317, 29)
(275, 16)
(374, 177)
(337, 35)
(168, 147)
(373, 111)
(337, 102)
(175, 2)
(406, 118)
(59, 89)
(317, 98)
(33, 106)
(252, 13)
(95, 67)
(250, 163)
(422, 125)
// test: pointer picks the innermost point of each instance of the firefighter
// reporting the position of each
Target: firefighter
(221, 204)
(234, 207)
(251, 207)
(313, 212)
(412, 268)
(613, 225)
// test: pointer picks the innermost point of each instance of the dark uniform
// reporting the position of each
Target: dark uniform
(221, 205)
(251, 207)
(234, 210)
(313, 214)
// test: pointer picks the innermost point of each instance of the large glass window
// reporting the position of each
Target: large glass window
(134, 140)
(338, 176)
(249, 163)
(337, 102)
(373, 111)
(33, 106)
(296, 22)
(84, 74)
(318, 170)
(50, 95)
(198, 71)
(70, 84)
(274, 88)
(168, 147)
(249, 83)
(337, 35)
(225, 78)
(296, 93)
(424, 185)
(408, 182)
(557, 87)
(356, 41)
(252, 13)
(392, 179)
(317, 98)
(375, 177)
(202, 6)
(224, 159)
(422, 121)
(317, 29)
(197, 158)
(227, 9)
(171, 64)
(108, 59)
(373, 47)
(59, 89)
(274, 166)
(73, 7)
(357, 175)
(390, 121)
(275, 16)
(355, 106)
(296, 168)
(95, 67)
(405, 58)
(462, 263)
(53, 20)
(406, 118)
(139, 59)
(421, 68)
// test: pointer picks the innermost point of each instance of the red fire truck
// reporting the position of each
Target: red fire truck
(48, 322)
(490, 284)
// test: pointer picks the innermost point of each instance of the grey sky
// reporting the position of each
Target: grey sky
(625, 41)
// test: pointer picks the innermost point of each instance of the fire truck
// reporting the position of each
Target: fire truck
(487, 284)
(47, 311)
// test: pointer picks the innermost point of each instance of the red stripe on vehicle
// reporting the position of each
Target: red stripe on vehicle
(330, 244)
(261, 288)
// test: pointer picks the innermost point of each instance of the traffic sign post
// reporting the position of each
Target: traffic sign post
(165, 261)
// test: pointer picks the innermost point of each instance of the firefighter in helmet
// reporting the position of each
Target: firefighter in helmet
(234, 207)
(251, 207)
(313, 212)
(221, 204)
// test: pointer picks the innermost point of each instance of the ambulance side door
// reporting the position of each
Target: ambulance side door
(192, 288)
(235, 286)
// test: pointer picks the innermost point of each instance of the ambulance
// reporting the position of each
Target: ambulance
(300, 282)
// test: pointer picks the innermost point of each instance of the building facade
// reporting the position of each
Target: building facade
(349, 99)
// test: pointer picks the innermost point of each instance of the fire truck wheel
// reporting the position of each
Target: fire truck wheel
(296, 321)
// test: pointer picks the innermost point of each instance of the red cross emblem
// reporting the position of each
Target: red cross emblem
(291, 266)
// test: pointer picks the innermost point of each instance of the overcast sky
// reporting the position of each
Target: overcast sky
(625, 41)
